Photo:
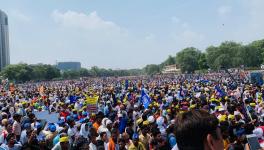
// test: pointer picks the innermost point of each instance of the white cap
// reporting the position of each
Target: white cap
(221, 109)
(160, 121)
(258, 132)
(100, 130)
(108, 121)
(151, 119)
(236, 113)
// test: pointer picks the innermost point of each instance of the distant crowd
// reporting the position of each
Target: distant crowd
(166, 112)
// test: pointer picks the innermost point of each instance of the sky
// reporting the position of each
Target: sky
(124, 34)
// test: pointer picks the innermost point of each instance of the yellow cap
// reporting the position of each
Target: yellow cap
(222, 118)
(193, 106)
(146, 123)
(231, 117)
(139, 121)
(182, 112)
(64, 139)
(252, 104)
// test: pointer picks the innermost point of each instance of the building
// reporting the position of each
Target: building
(171, 69)
(4, 41)
(65, 66)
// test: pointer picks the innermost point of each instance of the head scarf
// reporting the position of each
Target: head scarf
(84, 132)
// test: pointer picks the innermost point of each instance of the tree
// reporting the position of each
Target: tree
(84, 72)
(70, 74)
(202, 62)
(187, 59)
(231, 49)
(51, 72)
(250, 56)
(212, 53)
(152, 69)
(39, 72)
(224, 56)
(24, 72)
(259, 45)
(95, 71)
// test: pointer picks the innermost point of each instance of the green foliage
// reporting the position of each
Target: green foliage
(259, 45)
(152, 69)
(70, 74)
(169, 61)
(202, 62)
(24, 72)
(224, 56)
(231, 55)
(188, 59)
(83, 72)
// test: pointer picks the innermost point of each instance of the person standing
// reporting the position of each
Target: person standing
(17, 126)
(136, 144)
(112, 144)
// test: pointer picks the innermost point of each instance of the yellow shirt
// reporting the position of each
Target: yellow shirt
(226, 144)
(144, 140)
(139, 147)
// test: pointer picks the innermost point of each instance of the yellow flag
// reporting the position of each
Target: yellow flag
(92, 100)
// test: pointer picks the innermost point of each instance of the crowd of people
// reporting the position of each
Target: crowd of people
(195, 112)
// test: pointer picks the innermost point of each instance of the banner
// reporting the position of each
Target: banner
(92, 100)
(45, 115)
(145, 99)
(92, 104)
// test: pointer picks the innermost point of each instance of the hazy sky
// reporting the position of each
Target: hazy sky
(125, 33)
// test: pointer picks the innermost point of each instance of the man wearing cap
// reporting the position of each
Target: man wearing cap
(50, 134)
(63, 143)
(144, 137)
(136, 144)
(24, 133)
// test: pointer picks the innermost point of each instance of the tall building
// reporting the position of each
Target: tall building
(4, 41)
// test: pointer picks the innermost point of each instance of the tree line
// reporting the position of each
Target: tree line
(40, 72)
(228, 54)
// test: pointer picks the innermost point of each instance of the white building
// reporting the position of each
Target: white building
(171, 69)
